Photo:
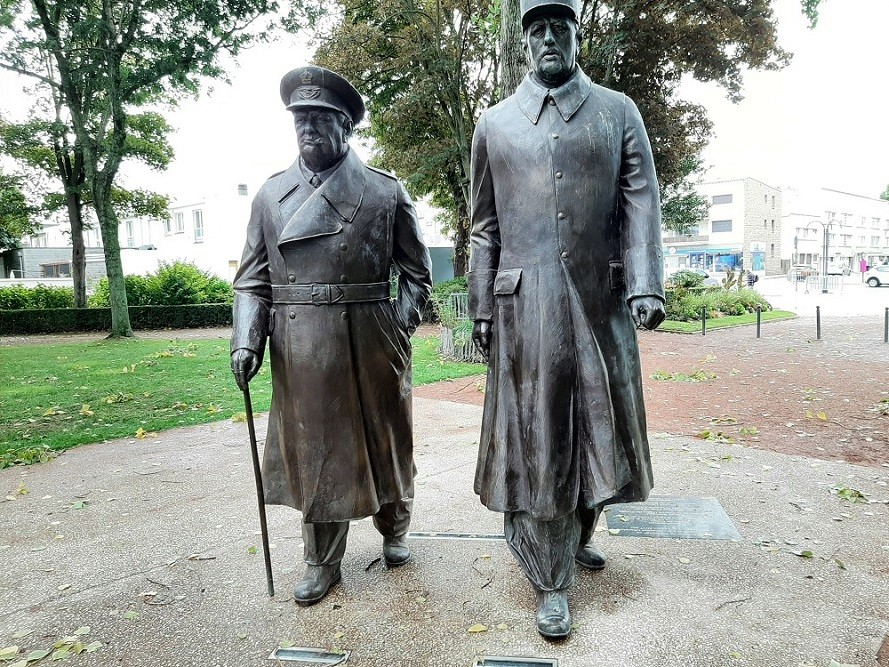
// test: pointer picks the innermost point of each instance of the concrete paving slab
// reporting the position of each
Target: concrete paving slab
(149, 543)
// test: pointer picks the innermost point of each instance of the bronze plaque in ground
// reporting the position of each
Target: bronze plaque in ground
(672, 516)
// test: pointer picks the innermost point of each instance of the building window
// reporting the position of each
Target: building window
(718, 226)
(131, 239)
(830, 215)
(242, 189)
(179, 222)
(773, 201)
(197, 217)
(722, 199)
(38, 241)
(168, 227)
(875, 240)
(773, 226)
(765, 199)
(60, 270)
(772, 250)
(875, 223)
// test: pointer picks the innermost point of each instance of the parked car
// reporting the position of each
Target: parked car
(838, 270)
(877, 276)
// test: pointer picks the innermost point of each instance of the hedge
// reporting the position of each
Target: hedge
(17, 297)
(69, 320)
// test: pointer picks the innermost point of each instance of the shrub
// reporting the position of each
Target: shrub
(685, 305)
(174, 284)
(23, 322)
(440, 308)
(18, 297)
(687, 279)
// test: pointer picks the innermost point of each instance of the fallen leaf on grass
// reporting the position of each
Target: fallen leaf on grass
(39, 654)
(251, 550)
(239, 417)
(82, 630)
(478, 627)
(803, 554)
(848, 493)
(92, 647)
(79, 504)
(339, 635)
(131, 615)
(85, 410)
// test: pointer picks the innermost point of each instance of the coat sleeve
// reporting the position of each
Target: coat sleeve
(484, 240)
(252, 286)
(640, 209)
(412, 259)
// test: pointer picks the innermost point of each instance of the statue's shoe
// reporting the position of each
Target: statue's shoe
(553, 617)
(591, 557)
(315, 583)
(396, 551)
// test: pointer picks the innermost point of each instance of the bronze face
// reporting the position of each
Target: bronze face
(551, 47)
(323, 137)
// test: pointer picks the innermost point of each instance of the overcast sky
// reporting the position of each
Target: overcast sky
(820, 122)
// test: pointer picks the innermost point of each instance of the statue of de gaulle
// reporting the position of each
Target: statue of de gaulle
(313, 281)
(565, 265)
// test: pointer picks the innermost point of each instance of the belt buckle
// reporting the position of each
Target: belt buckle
(325, 294)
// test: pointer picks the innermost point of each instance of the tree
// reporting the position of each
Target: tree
(114, 56)
(47, 146)
(682, 207)
(428, 68)
(16, 215)
(885, 194)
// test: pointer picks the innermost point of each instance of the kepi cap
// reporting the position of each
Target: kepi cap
(531, 8)
(317, 87)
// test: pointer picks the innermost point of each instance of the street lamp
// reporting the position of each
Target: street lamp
(826, 227)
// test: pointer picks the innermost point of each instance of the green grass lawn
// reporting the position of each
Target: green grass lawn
(60, 396)
(726, 321)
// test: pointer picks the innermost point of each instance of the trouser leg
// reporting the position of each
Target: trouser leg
(393, 519)
(544, 549)
(324, 543)
(588, 520)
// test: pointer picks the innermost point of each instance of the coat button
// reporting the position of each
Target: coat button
(564, 255)
(343, 246)
(561, 215)
(558, 174)
(344, 279)
(555, 136)
(552, 102)
(291, 278)
(344, 315)
(292, 315)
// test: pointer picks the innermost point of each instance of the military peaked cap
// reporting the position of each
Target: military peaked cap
(316, 87)
(532, 8)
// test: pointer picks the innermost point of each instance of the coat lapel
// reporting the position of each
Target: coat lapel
(324, 210)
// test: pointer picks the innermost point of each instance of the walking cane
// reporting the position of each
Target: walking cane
(257, 474)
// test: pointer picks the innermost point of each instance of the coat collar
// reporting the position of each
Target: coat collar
(324, 210)
(531, 96)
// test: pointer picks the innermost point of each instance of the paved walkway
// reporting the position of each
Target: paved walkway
(149, 543)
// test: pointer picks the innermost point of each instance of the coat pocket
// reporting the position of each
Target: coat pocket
(616, 276)
(507, 281)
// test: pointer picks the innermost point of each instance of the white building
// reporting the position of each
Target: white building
(742, 230)
(857, 228)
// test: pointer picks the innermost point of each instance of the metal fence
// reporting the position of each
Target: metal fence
(456, 331)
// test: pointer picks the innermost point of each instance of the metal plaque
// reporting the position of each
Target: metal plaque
(504, 661)
(309, 656)
(672, 517)
(420, 535)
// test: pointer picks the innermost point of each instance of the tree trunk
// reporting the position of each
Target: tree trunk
(513, 64)
(461, 239)
(108, 224)
(78, 248)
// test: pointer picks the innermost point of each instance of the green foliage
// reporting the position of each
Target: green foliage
(63, 320)
(687, 279)
(19, 297)
(440, 308)
(682, 207)
(885, 194)
(176, 283)
(685, 305)
(16, 215)
(695, 376)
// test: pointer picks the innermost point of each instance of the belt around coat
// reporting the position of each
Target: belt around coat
(325, 294)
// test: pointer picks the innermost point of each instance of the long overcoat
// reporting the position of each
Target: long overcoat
(565, 231)
(339, 441)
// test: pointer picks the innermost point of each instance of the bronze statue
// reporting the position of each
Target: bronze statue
(565, 263)
(314, 280)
